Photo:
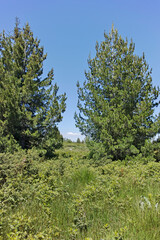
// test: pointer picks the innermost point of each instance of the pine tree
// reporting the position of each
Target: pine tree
(117, 100)
(30, 106)
(78, 140)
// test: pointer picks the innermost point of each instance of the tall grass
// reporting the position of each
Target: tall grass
(67, 198)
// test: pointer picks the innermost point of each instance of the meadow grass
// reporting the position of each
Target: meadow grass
(68, 198)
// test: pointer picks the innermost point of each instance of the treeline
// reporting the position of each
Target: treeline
(116, 103)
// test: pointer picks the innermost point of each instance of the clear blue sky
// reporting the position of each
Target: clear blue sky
(69, 29)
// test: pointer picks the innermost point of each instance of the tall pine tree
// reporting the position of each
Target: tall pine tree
(30, 106)
(117, 100)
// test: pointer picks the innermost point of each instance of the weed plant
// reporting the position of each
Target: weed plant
(69, 198)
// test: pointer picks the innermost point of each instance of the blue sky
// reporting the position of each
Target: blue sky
(69, 29)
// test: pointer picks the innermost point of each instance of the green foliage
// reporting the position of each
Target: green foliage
(30, 106)
(67, 140)
(68, 198)
(117, 100)
(156, 149)
(78, 140)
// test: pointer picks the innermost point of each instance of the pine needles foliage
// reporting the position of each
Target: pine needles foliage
(117, 100)
(30, 106)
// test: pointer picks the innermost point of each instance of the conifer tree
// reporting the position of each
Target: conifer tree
(117, 100)
(30, 106)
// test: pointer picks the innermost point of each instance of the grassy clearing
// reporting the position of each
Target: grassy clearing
(70, 199)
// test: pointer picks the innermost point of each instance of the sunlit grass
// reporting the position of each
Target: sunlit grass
(67, 198)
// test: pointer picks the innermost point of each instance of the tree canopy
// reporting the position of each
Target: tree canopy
(117, 100)
(30, 106)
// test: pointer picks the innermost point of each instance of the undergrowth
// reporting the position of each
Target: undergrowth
(69, 198)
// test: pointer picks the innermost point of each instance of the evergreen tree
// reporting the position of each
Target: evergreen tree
(117, 100)
(30, 106)
(78, 140)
